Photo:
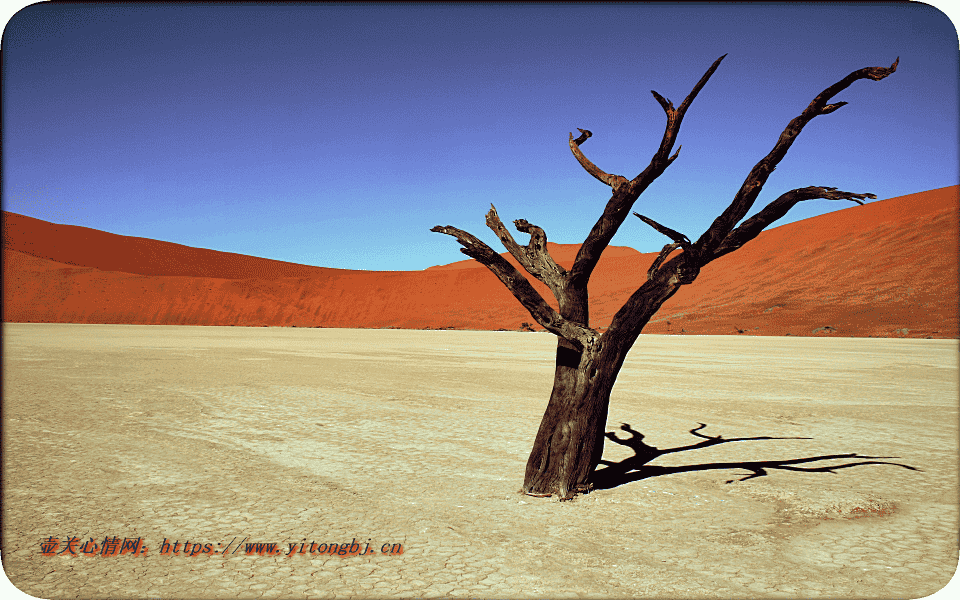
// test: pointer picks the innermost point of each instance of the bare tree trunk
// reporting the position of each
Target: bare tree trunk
(565, 444)
(569, 443)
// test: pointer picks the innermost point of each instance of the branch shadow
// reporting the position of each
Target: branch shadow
(636, 467)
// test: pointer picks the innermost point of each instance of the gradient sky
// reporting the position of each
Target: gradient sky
(337, 136)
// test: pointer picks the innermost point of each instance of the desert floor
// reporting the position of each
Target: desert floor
(221, 435)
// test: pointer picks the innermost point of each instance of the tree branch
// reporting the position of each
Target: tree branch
(674, 118)
(534, 257)
(624, 196)
(747, 195)
(679, 241)
(752, 227)
(536, 248)
(612, 180)
(676, 236)
(652, 271)
(578, 335)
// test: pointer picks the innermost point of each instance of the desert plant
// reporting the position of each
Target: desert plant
(569, 443)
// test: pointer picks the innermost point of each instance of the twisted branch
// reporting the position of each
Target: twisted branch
(613, 181)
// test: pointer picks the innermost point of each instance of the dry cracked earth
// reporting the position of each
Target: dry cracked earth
(750, 467)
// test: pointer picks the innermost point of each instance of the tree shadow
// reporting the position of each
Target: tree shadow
(636, 467)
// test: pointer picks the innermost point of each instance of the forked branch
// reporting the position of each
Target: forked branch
(619, 205)
(534, 257)
(652, 271)
(674, 118)
(517, 284)
(679, 241)
(747, 195)
(752, 227)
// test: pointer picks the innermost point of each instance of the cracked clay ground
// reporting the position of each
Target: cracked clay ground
(215, 435)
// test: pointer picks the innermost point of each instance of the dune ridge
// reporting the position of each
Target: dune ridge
(886, 269)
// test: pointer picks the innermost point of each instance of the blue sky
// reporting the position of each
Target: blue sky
(337, 136)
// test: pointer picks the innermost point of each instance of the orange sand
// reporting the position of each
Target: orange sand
(886, 269)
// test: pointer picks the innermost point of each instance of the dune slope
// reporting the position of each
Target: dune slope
(889, 268)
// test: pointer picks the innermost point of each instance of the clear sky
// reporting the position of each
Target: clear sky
(337, 136)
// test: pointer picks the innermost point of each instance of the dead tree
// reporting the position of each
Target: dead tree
(569, 442)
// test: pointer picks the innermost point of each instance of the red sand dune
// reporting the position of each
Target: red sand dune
(887, 269)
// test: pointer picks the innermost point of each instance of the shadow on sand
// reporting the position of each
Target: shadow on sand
(636, 468)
